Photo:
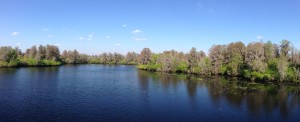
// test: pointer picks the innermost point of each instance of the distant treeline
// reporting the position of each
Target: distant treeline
(256, 61)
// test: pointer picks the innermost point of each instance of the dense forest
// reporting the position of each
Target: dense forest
(257, 61)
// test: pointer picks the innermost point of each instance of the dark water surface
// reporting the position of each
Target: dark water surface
(122, 93)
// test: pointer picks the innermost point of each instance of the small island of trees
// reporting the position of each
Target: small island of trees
(257, 61)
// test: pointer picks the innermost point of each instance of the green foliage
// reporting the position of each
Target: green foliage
(182, 67)
(12, 63)
(29, 62)
(247, 73)
(49, 63)
(34, 62)
(291, 74)
(142, 67)
(223, 69)
(257, 75)
(150, 67)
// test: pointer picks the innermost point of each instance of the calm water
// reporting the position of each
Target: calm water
(122, 93)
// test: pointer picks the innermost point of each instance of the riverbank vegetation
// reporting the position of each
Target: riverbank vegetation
(257, 61)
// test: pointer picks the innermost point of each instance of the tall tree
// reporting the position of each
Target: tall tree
(32, 52)
(269, 51)
(145, 56)
(282, 67)
(235, 56)
(131, 58)
(255, 56)
(193, 59)
(8, 54)
(285, 48)
(117, 58)
(216, 55)
(41, 53)
(52, 53)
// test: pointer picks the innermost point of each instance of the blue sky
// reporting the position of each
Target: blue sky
(96, 26)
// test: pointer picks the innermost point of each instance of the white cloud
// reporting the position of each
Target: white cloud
(15, 33)
(138, 35)
(81, 38)
(139, 39)
(259, 37)
(91, 36)
(117, 44)
(88, 37)
(108, 37)
(136, 31)
(57, 45)
(44, 29)
(124, 25)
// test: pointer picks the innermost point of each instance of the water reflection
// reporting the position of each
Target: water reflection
(27, 91)
(257, 99)
(100, 92)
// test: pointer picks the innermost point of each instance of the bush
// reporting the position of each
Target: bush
(11, 63)
(182, 67)
(223, 70)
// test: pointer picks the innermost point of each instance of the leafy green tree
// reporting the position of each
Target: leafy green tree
(41, 53)
(8, 54)
(169, 61)
(205, 66)
(32, 52)
(52, 53)
(234, 58)
(282, 67)
(193, 59)
(269, 51)
(117, 58)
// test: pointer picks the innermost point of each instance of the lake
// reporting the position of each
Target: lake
(123, 93)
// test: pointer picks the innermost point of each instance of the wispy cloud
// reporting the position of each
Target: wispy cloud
(138, 35)
(81, 38)
(108, 37)
(139, 39)
(136, 31)
(259, 37)
(117, 44)
(44, 29)
(15, 33)
(90, 37)
(124, 25)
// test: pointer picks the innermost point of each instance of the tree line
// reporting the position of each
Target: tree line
(256, 61)
(50, 55)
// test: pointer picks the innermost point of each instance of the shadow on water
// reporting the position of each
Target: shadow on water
(259, 99)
